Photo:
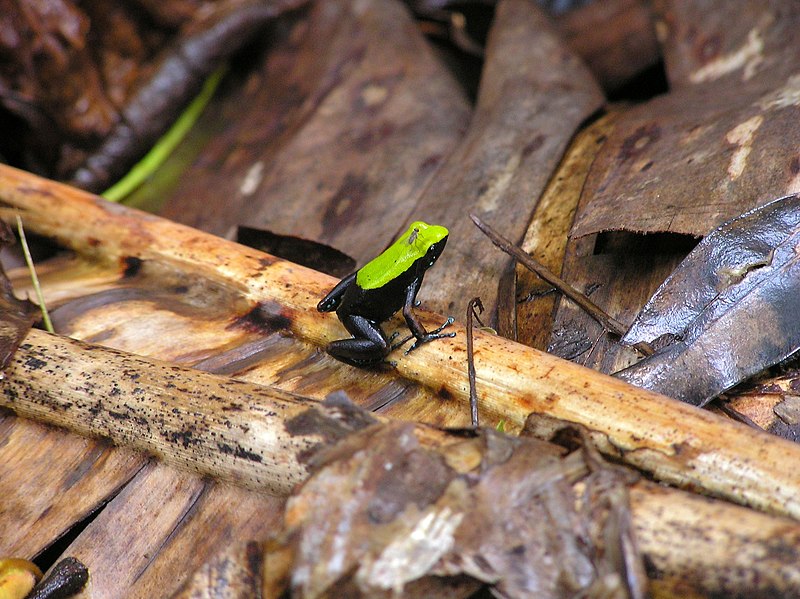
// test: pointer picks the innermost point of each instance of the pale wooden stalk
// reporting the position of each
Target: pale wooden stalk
(723, 549)
(676, 442)
(237, 431)
(220, 427)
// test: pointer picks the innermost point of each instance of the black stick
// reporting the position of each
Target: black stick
(472, 313)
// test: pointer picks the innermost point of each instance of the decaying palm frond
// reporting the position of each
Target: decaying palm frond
(272, 295)
(230, 310)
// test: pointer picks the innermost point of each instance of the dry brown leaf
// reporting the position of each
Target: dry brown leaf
(723, 141)
(340, 129)
(514, 515)
(525, 116)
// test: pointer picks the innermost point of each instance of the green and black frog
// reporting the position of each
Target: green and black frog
(371, 295)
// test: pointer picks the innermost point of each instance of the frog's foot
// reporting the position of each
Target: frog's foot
(359, 352)
(431, 335)
(450, 320)
(400, 343)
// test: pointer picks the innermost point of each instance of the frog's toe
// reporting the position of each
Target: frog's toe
(427, 338)
(402, 342)
(450, 320)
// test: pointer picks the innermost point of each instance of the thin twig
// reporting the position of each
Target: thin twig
(730, 412)
(48, 324)
(591, 350)
(595, 311)
(474, 308)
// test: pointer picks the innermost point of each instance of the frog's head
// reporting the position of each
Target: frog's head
(428, 240)
(435, 250)
(419, 247)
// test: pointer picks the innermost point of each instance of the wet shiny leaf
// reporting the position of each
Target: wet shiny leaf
(728, 311)
(721, 260)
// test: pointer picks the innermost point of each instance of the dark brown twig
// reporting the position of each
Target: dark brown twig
(595, 311)
(730, 412)
(474, 308)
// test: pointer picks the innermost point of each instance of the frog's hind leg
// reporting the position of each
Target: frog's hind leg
(369, 344)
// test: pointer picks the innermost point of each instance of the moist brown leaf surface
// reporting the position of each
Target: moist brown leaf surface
(337, 132)
(723, 141)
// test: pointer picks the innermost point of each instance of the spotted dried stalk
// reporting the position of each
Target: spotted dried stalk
(217, 426)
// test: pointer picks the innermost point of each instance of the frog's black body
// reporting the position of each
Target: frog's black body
(380, 304)
(361, 311)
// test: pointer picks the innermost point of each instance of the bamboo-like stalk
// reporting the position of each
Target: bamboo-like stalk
(213, 425)
(237, 431)
(676, 442)
(706, 544)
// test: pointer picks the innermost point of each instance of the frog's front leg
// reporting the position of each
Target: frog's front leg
(369, 344)
(333, 300)
(417, 329)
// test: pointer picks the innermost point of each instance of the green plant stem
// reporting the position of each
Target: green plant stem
(167, 143)
(48, 324)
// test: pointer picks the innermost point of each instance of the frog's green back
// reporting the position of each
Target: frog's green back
(398, 257)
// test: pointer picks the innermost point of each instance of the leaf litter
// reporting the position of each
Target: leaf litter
(387, 513)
